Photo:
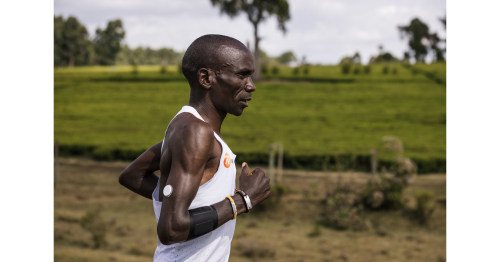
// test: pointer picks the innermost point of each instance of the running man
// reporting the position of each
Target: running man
(194, 199)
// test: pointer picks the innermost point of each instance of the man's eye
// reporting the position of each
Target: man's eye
(244, 74)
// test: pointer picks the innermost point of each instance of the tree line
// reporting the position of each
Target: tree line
(74, 47)
(148, 56)
(421, 43)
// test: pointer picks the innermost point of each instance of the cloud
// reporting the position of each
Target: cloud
(387, 10)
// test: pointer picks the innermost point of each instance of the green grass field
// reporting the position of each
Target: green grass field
(321, 113)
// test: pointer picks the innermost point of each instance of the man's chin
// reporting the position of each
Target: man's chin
(237, 112)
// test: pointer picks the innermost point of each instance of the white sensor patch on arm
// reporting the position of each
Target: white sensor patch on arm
(167, 190)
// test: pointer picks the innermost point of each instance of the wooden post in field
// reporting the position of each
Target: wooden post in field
(271, 163)
(56, 163)
(275, 178)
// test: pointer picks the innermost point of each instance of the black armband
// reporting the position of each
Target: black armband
(202, 220)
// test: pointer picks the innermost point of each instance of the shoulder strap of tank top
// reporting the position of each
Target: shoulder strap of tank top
(184, 109)
(192, 110)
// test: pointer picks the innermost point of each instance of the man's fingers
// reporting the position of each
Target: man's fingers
(244, 168)
(258, 170)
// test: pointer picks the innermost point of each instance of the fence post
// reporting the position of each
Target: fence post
(271, 163)
(275, 176)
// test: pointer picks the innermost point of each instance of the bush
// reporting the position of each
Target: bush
(341, 209)
(163, 69)
(346, 68)
(405, 169)
(275, 70)
(383, 192)
(295, 71)
(425, 207)
(385, 70)
(95, 224)
(264, 69)
(394, 71)
(402, 167)
(357, 70)
(366, 69)
(305, 71)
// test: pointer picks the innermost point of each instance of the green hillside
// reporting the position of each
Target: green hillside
(116, 112)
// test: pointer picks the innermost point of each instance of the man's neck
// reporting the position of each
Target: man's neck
(209, 113)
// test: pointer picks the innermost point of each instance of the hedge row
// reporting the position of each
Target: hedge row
(309, 162)
(430, 75)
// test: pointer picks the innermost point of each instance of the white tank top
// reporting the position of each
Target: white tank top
(215, 245)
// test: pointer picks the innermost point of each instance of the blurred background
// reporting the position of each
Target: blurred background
(348, 120)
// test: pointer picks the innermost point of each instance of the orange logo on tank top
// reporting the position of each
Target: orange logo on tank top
(227, 161)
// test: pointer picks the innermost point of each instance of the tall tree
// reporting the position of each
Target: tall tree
(286, 58)
(421, 40)
(434, 41)
(443, 21)
(356, 58)
(418, 34)
(257, 11)
(71, 42)
(107, 42)
(58, 40)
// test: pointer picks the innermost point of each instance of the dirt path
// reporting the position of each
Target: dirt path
(288, 233)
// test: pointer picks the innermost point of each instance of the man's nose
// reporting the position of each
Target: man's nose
(250, 87)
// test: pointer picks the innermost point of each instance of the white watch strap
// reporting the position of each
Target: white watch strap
(248, 202)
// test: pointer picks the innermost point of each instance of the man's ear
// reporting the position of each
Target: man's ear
(205, 77)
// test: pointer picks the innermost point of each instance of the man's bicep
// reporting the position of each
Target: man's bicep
(189, 154)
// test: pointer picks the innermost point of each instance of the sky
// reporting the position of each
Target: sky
(323, 31)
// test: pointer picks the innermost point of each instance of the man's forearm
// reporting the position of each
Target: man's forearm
(139, 176)
(198, 221)
(143, 185)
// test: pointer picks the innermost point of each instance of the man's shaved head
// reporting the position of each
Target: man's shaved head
(209, 51)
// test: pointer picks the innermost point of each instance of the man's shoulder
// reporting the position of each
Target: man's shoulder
(189, 136)
(188, 126)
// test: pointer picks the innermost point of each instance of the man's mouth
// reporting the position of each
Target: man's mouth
(244, 101)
